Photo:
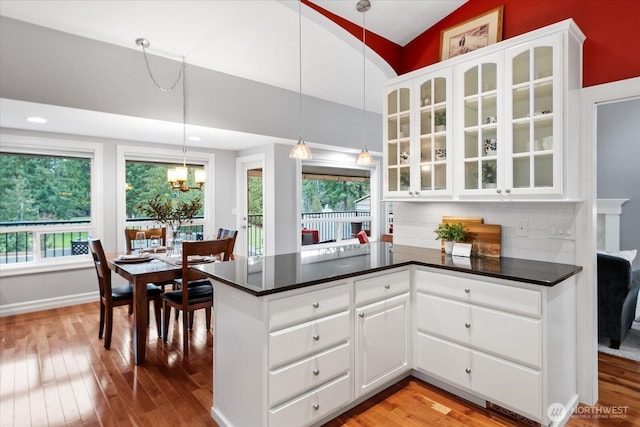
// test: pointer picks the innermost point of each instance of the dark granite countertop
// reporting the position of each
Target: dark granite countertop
(266, 275)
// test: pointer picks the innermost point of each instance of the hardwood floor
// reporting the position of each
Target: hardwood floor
(54, 371)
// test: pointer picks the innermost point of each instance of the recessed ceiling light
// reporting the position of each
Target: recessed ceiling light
(36, 120)
(194, 138)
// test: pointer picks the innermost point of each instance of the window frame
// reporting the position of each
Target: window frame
(58, 147)
(162, 155)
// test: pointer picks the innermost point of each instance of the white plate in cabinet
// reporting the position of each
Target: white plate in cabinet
(380, 287)
(506, 335)
(515, 300)
(313, 406)
(300, 377)
(300, 308)
(288, 345)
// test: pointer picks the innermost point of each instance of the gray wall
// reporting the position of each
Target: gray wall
(619, 165)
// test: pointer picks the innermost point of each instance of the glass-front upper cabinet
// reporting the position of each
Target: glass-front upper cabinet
(481, 141)
(432, 174)
(398, 150)
(534, 117)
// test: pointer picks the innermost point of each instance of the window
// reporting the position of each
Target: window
(48, 204)
(336, 204)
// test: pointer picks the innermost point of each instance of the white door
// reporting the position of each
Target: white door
(250, 202)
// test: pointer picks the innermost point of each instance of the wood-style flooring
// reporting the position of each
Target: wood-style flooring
(55, 371)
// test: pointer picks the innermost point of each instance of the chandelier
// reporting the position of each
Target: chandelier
(300, 150)
(364, 158)
(177, 176)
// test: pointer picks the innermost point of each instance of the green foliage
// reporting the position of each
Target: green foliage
(452, 232)
(173, 213)
(439, 118)
(255, 196)
(337, 195)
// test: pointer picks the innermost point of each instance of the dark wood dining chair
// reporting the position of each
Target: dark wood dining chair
(113, 297)
(130, 235)
(198, 294)
(224, 233)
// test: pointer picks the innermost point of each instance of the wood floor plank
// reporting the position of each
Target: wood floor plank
(55, 371)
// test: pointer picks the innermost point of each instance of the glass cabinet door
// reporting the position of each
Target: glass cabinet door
(432, 168)
(398, 140)
(533, 159)
(481, 118)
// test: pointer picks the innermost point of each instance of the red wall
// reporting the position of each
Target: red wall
(612, 27)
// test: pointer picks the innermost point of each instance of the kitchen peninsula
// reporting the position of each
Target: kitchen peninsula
(302, 337)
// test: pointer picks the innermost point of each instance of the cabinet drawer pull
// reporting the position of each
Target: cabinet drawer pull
(498, 191)
(316, 304)
(467, 290)
(467, 370)
(316, 372)
(361, 314)
(316, 337)
(387, 286)
(467, 325)
(508, 190)
(316, 406)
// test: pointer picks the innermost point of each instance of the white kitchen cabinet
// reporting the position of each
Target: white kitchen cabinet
(512, 122)
(382, 333)
(417, 139)
(502, 342)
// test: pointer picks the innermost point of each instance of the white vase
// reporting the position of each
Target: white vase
(448, 247)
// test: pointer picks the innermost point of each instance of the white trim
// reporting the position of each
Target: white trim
(47, 304)
(171, 155)
(56, 146)
(242, 202)
(586, 232)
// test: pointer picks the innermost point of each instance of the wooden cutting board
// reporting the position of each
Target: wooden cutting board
(484, 237)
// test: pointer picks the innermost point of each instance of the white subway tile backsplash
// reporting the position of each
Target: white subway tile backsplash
(414, 224)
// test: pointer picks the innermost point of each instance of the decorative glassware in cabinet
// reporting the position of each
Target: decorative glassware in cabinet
(398, 139)
(433, 141)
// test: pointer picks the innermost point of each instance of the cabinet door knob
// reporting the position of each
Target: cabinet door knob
(387, 286)
(361, 314)
(508, 190)
(316, 337)
(411, 193)
(467, 290)
(417, 193)
(467, 370)
(467, 325)
(316, 406)
(498, 191)
(316, 372)
(316, 304)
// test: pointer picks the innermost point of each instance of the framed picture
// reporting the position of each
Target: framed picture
(473, 34)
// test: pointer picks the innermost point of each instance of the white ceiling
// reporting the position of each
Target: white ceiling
(253, 39)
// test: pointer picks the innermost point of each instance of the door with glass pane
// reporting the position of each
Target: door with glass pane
(397, 131)
(432, 167)
(534, 117)
(482, 138)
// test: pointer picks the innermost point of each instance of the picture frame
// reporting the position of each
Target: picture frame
(475, 33)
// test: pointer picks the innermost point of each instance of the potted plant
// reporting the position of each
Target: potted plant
(171, 213)
(489, 175)
(440, 121)
(450, 233)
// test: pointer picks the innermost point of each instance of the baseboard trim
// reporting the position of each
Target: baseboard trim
(47, 304)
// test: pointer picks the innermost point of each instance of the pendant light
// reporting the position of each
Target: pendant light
(300, 150)
(177, 176)
(364, 158)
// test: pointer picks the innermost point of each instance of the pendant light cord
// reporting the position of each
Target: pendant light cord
(300, 68)
(183, 71)
(155, 82)
(364, 109)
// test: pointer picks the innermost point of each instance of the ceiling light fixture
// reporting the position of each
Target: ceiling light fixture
(300, 150)
(36, 120)
(177, 176)
(364, 158)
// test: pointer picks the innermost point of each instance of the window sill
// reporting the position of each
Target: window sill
(57, 264)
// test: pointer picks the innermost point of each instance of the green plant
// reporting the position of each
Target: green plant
(451, 232)
(440, 118)
(489, 175)
(172, 213)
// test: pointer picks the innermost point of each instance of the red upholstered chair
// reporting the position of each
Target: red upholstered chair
(362, 237)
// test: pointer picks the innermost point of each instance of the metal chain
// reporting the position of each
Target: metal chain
(164, 89)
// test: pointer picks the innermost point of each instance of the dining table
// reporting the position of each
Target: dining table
(152, 269)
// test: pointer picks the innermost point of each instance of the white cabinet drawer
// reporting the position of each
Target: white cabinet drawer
(506, 335)
(288, 345)
(515, 300)
(507, 384)
(301, 308)
(312, 406)
(306, 374)
(381, 287)
(444, 318)
(443, 360)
